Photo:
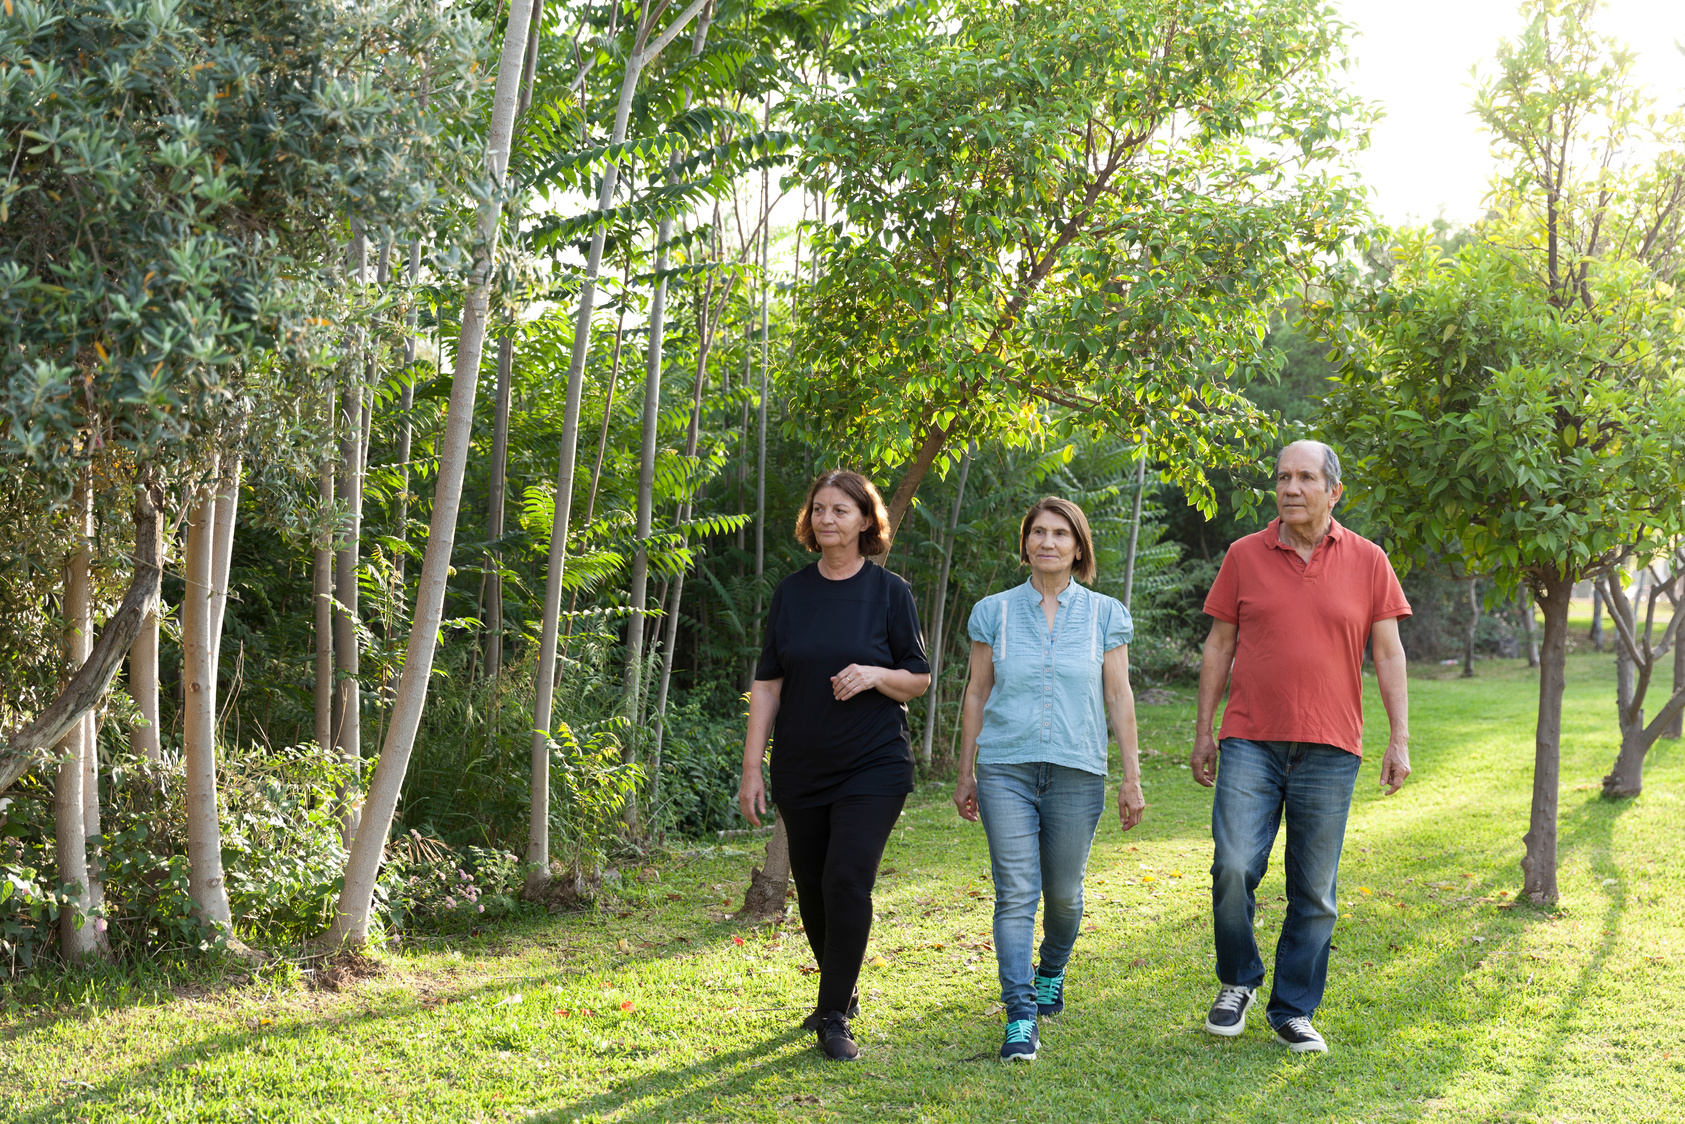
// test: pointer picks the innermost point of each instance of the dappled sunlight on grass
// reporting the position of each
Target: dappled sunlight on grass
(1447, 1001)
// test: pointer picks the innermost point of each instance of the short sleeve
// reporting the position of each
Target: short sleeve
(906, 638)
(771, 666)
(1120, 626)
(984, 623)
(1388, 596)
(1223, 602)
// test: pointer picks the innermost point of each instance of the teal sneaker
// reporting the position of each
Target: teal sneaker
(1050, 993)
(1022, 1040)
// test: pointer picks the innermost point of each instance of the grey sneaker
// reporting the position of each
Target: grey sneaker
(1227, 1017)
(1299, 1036)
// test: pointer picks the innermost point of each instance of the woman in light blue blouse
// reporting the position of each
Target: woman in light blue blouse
(1049, 669)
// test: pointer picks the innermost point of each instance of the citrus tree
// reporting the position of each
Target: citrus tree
(1517, 403)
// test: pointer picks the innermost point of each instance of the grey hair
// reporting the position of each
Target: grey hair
(1330, 461)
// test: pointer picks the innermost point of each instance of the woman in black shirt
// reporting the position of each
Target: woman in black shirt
(843, 654)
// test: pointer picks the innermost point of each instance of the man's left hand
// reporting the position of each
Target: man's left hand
(1395, 766)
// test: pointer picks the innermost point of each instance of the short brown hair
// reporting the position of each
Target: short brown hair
(1084, 569)
(874, 537)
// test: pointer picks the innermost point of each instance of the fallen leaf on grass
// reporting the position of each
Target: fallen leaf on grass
(625, 1004)
(675, 897)
(510, 1000)
(737, 940)
(805, 1098)
(1138, 962)
(623, 945)
(878, 962)
(1364, 890)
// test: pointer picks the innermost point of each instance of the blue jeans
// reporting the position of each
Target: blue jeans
(1040, 820)
(1256, 783)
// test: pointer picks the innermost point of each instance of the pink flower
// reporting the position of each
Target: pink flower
(450, 903)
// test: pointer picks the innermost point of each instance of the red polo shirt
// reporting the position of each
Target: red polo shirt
(1301, 630)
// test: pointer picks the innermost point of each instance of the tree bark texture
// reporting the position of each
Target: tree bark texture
(1134, 531)
(78, 927)
(1638, 656)
(29, 748)
(348, 703)
(495, 502)
(204, 833)
(1474, 623)
(769, 884)
(1538, 866)
(936, 653)
(538, 817)
(1527, 629)
(323, 601)
(362, 866)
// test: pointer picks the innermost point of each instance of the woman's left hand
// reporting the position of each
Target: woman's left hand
(1131, 805)
(854, 679)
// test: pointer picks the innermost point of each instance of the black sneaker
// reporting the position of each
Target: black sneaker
(1022, 1041)
(835, 1039)
(814, 1021)
(1227, 1016)
(1050, 993)
(1299, 1036)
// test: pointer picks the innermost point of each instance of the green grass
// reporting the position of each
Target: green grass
(1445, 1002)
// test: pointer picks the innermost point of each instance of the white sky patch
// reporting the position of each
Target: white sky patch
(1429, 155)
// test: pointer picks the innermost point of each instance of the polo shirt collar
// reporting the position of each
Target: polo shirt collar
(1029, 590)
(1272, 534)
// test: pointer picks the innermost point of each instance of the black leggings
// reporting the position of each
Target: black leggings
(834, 854)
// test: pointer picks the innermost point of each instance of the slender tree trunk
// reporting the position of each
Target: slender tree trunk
(348, 707)
(406, 406)
(941, 605)
(326, 711)
(760, 440)
(1539, 865)
(204, 833)
(1527, 630)
(769, 884)
(79, 934)
(362, 866)
(538, 821)
(222, 558)
(495, 500)
(1474, 623)
(1134, 531)
(1596, 618)
(1672, 730)
(144, 736)
(1637, 654)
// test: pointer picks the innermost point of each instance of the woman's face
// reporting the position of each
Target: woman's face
(836, 520)
(1051, 544)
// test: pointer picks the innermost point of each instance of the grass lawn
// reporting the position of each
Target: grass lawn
(1445, 1001)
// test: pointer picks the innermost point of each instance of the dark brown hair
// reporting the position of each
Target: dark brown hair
(1084, 568)
(874, 537)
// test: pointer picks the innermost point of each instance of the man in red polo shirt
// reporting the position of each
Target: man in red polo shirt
(1293, 607)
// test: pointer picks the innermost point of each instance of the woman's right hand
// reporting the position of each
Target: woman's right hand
(751, 797)
(965, 797)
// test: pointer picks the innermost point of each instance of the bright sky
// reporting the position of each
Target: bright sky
(1428, 155)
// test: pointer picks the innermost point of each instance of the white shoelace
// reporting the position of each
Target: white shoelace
(1299, 1025)
(1230, 998)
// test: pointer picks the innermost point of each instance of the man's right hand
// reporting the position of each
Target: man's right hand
(965, 797)
(1203, 760)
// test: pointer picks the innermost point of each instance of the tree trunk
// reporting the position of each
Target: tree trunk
(1134, 530)
(1596, 617)
(941, 605)
(760, 445)
(204, 833)
(769, 885)
(406, 405)
(79, 934)
(1528, 634)
(538, 819)
(348, 703)
(144, 736)
(29, 747)
(495, 498)
(1672, 730)
(222, 559)
(1474, 623)
(323, 600)
(1539, 865)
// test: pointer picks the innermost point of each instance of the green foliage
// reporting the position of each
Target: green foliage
(428, 884)
(1026, 216)
(210, 156)
(1490, 424)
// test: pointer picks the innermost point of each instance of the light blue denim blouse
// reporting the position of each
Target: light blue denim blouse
(1047, 703)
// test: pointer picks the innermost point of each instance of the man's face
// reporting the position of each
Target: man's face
(1302, 496)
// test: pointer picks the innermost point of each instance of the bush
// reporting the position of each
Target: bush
(702, 757)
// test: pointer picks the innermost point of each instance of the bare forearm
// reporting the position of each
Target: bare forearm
(1391, 677)
(1214, 665)
(903, 686)
(971, 725)
(1120, 711)
(763, 710)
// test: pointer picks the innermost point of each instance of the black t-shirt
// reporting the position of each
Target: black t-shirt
(823, 749)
